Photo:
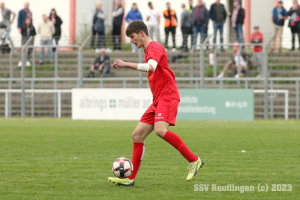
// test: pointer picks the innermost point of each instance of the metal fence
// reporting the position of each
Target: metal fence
(269, 105)
(58, 107)
(35, 103)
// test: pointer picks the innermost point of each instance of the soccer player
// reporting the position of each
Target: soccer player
(162, 112)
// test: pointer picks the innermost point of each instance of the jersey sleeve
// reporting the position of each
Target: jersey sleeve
(155, 52)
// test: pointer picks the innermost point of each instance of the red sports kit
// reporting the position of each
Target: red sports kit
(163, 87)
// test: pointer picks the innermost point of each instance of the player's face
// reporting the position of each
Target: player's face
(136, 39)
(256, 30)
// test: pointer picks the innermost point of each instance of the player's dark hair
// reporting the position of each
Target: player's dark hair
(149, 3)
(167, 3)
(134, 4)
(136, 27)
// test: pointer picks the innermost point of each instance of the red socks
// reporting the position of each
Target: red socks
(177, 142)
(170, 137)
(137, 156)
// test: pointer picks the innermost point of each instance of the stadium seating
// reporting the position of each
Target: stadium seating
(280, 65)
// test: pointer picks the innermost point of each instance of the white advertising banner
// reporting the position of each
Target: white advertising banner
(110, 104)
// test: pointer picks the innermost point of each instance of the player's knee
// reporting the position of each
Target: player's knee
(136, 137)
(160, 131)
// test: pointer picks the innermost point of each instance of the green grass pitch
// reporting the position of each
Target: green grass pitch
(65, 159)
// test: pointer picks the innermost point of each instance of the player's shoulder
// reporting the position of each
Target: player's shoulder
(156, 46)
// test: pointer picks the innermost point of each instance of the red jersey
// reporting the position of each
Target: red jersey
(254, 37)
(162, 81)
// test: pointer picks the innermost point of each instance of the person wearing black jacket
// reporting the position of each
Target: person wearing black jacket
(57, 22)
(118, 15)
(101, 63)
(26, 31)
(200, 19)
(218, 14)
(237, 16)
(294, 22)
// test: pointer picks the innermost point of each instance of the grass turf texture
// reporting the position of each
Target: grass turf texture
(65, 159)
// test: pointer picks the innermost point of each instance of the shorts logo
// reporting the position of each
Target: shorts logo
(159, 116)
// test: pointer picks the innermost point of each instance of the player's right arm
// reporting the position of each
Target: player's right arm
(145, 67)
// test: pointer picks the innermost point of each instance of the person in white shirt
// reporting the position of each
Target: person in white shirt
(46, 30)
(153, 19)
(234, 64)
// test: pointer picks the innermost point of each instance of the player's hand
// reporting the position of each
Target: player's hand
(119, 63)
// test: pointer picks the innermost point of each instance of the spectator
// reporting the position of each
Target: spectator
(57, 22)
(46, 30)
(170, 25)
(234, 63)
(200, 21)
(257, 37)
(117, 24)
(133, 15)
(294, 23)
(190, 6)
(99, 27)
(94, 33)
(27, 31)
(279, 14)
(153, 19)
(101, 63)
(190, 9)
(23, 14)
(6, 16)
(237, 20)
(186, 26)
(206, 27)
(218, 14)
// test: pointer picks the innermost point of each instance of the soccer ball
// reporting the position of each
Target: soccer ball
(122, 167)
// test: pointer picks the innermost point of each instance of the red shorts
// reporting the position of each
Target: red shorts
(165, 110)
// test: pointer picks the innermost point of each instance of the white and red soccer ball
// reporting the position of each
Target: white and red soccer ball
(122, 167)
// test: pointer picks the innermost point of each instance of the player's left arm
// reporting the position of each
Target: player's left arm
(150, 66)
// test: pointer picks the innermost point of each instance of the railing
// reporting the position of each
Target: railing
(264, 66)
(58, 108)
(79, 70)
(199, 82)
(58, 92)
(286, 100)
(196, 82)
